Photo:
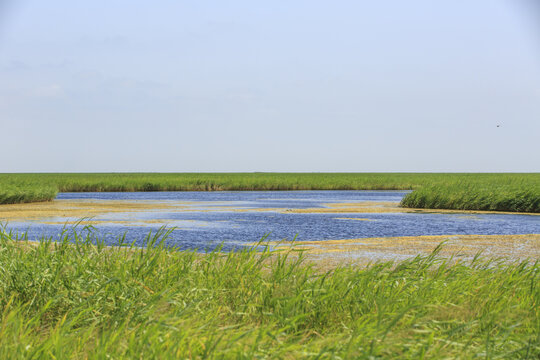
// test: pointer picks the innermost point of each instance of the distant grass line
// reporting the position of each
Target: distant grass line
(72, 297)
(498, 192)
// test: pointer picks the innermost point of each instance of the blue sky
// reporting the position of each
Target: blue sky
(415, 85)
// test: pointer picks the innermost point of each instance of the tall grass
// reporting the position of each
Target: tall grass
(223, 181)
(73, 297)
(503, 192)
(508, 194)
(25, 193)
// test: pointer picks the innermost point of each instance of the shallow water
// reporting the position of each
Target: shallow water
(292, 199)
(205, 220)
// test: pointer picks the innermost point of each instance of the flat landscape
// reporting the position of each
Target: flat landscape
(498, 192)
(269, 180)
(270, 265)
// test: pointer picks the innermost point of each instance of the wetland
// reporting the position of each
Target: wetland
(338, 274)
(359, 226)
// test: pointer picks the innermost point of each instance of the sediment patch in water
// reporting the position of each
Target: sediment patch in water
(366, 250)
(237, 219)
(77, 209)
(373, 207)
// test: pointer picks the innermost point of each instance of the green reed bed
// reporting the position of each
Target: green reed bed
(499, 192)
(508, 194)
(76, 298)
(25, 193)
(224, 181)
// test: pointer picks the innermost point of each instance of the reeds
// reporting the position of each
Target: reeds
(74, 297)
(25, 193)
(500, 192)
(508, 194)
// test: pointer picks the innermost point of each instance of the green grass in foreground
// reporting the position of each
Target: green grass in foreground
(72, 299)
(499, 192)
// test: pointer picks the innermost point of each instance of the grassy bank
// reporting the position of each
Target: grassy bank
(500, 192)
(25, 193)
(72, 299)
(520, 197)
(223, 181)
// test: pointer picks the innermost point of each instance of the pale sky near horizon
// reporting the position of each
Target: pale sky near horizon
(353, 86)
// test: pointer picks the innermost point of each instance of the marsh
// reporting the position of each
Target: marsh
(206, 220)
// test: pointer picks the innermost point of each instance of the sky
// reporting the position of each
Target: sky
(303, 85)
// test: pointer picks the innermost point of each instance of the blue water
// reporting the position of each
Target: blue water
(210, 219)
(291, 199)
